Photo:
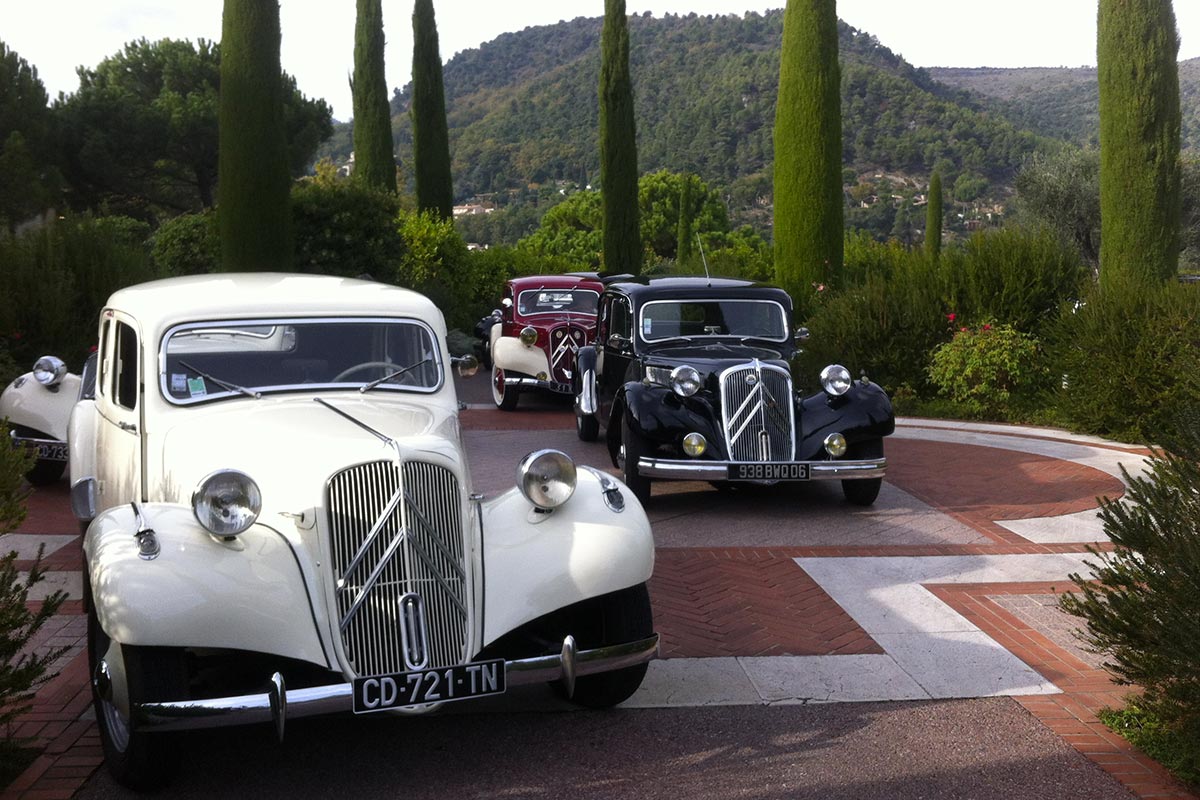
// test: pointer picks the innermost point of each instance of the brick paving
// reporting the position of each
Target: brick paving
(744, 601)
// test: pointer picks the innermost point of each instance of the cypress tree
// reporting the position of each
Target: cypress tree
(933, 217)
(254, 216)
(374, 162)
(431, 139)
(687, 214)
(808, 151)
(618, 146)
(1137, 47)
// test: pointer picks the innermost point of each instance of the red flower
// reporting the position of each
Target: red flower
(987, 327)
(951, 317)
(962, 330)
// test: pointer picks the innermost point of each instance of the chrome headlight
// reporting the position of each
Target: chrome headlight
(685, 380)
(529, 336)
(49, 371)
(546, 478)
(836, 380)
(227, 502)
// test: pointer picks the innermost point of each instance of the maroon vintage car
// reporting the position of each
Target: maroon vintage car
(531, 341)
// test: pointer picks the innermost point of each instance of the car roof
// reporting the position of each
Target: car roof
(692, 286)
(554, 282)
(159, 304)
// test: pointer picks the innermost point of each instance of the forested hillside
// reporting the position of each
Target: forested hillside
(523, 108)
(1062, 102)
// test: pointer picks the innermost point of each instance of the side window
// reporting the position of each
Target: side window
(105, 376)
(621, 323)
(125, 368)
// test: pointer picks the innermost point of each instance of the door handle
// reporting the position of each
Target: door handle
(128, 426)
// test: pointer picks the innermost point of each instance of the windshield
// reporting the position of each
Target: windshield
(669, 319)
(546, 301)
(210, 360)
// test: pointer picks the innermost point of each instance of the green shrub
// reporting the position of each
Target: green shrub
(346, 228)
(1143, 607)
(990, 370)
(886, 324)
(14, 463)
(1013, 276)
(187, 245)
(1130, 360)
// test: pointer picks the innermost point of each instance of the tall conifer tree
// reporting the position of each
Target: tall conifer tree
(808, 151)
(933, 217)
(1137, 47)
(254, 213)
(374, 161)
(431, 139)
(618, 146)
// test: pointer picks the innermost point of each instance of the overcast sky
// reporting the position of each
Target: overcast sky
(56, 36)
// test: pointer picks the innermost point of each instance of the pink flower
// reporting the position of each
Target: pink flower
(962, 330)
(952, 317)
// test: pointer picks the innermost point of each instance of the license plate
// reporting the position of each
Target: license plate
(52, 452)
(768, 472)
(461, 682)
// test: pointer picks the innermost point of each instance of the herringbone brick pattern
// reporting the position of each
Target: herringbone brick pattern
(746, 602)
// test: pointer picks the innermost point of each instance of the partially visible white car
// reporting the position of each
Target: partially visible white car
(38, 407)
(280, 523)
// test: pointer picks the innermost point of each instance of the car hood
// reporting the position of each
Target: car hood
(714, 357)
(291, 447)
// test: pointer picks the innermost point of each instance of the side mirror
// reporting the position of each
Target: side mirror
(466, 366)
(506, 302)
(802, 335)
(618, 342)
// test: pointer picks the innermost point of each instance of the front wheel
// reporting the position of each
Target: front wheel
(632, 449)
(136, 759)
(863, 492)
(619, 617)
(505, 397)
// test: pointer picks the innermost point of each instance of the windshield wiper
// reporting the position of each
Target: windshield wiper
(229, 387)
(368, 386)
(774, 343)
(687, 339)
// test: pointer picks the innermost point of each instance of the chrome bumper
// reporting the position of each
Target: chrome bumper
(43, 446)
(278, 703)
(719, 470)
(534, 383)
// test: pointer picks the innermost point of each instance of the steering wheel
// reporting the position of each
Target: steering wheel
(385, 367)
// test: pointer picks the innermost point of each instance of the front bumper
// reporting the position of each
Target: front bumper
(279, 704)
(678, 469)
(534, 383)
(47, 449)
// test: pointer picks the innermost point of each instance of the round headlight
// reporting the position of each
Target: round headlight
(835, 445)
(49, 371)
(685, 380)
(546, 478)
(694, 444)
(528, 335)
(226, 503)
(836, 380)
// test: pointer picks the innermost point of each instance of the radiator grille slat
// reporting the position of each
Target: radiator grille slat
(425, 531)
(565, 341)
(757, 413)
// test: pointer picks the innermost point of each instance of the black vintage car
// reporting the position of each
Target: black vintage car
(690, 378)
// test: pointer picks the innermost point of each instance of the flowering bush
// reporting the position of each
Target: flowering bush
(989, 369)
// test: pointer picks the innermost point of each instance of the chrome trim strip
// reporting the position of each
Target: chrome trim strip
(295, 703)
(719, 470)
(553, 386)
(83, 499)
(30, 440)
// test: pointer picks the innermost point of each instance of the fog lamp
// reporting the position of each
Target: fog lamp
(694, 444)
(529, 336)
(835, 445)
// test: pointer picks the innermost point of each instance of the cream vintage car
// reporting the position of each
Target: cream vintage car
(38, 408)
(280, 523)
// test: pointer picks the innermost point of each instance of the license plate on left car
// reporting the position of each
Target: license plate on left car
(768, 472)
(52, 452)
(462, 682)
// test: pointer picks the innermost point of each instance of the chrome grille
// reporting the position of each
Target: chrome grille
(390, 537)
(565, 341)
(757, 412)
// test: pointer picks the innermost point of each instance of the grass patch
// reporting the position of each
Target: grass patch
(1143, 728)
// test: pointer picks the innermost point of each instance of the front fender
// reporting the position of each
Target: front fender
(245, 594)
(659, 415)
(81, 436)
(862, 414)
(29, 404)
(538, 563)
(509, 354)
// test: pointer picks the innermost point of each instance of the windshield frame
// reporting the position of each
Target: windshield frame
(312, 388)
(783, 316)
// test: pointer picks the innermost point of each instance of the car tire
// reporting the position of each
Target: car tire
(863, 492)
(46, 473)
(505, 397)
(139, 760)
(632, 449)
(620, 617)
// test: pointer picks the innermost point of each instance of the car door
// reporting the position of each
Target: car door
(614, 351)
(119, 457)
